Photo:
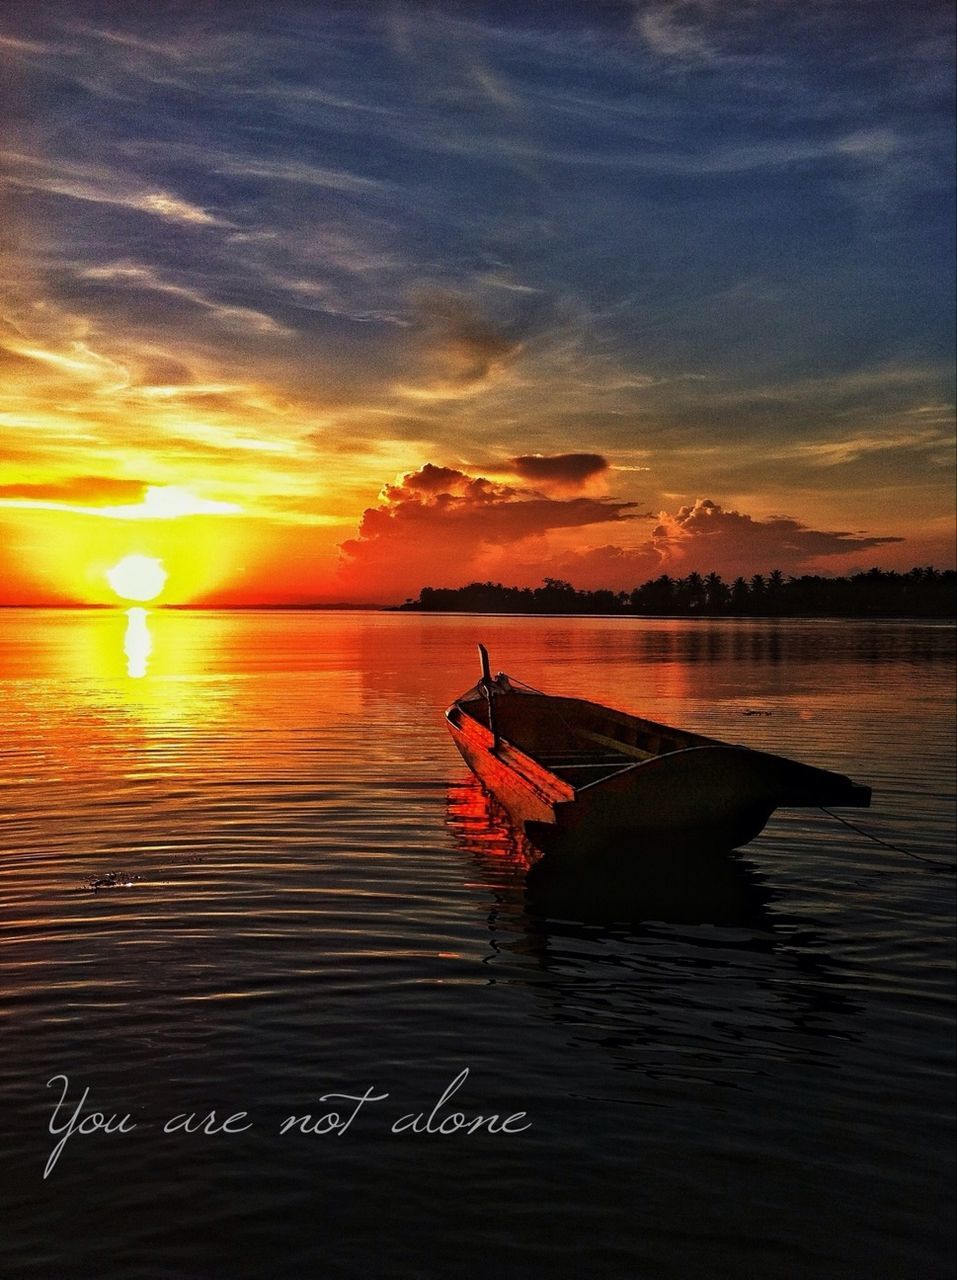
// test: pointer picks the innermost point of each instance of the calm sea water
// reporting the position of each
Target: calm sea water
(744, 1068)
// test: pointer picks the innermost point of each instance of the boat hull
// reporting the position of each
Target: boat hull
(526, 802)
(617, 819)
(701, 795)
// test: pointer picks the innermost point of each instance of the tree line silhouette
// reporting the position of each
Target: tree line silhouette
(920, 593)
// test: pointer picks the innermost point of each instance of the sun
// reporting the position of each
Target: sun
(137, 577)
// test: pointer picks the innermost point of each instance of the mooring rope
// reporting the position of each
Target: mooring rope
(933, 862)
(530, 687)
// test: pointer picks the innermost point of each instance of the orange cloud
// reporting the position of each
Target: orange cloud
(704, 536)
(440, 521)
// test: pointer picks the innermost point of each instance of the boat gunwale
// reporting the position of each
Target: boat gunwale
(696, 741)
(561, 792)
(701, 743)
(613, 713)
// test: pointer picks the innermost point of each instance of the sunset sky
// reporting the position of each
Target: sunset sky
(328, 302)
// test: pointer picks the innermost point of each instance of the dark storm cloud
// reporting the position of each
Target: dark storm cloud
(564, 469)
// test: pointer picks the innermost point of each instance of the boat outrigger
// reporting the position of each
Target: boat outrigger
(579, 777)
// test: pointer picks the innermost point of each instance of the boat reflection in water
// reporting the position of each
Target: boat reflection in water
(677, 967)
(618, 885)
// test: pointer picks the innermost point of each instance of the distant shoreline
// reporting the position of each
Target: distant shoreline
(944, 619)
(920, 593)
(690, 617)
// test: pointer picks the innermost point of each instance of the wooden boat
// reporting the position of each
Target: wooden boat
(580, 777)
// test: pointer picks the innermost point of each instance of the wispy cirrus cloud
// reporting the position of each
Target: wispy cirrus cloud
(147, 280)
(77, 182)
(72, 489)
(77, 497)
(306, 175)
(853, 448)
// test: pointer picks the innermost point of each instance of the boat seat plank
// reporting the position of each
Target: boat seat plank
(554, 766)
(623, 748)
(584, 763)
(594, 773)
(585, 757)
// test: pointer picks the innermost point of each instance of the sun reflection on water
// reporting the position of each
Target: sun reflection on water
(137, 643)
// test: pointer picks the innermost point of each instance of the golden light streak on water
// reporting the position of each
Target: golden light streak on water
(137, 643)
